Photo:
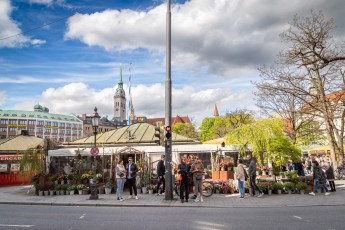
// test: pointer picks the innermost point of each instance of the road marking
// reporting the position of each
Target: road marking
(16, 225)
(82, 216)
(298, 217)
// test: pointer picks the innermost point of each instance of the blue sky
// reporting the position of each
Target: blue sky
(73, 64)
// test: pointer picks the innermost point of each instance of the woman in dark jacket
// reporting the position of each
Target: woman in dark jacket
(183, 169)
(330, 178)
(319, 177)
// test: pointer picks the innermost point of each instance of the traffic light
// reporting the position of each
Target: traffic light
(168, 132)
(158, 135)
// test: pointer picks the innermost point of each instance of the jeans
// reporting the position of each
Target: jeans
(324, 187)
(161, 181)
(120, 183)
(198, 186)
(132, 185)
(314, 185)
(241, 187)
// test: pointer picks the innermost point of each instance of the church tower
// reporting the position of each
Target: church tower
(120, 101)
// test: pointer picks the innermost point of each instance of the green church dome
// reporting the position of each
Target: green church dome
(38, 107)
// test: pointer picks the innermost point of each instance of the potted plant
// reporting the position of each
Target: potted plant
(278, 187)
(301, 186)
(57, 189)
(71, 188)
(63, 188)
(289, 186)
(150, 188)
(99, 177)
(217, 188)
(85, 177)
(80, 188)
(108, 187)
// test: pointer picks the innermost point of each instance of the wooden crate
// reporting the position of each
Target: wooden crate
(215, 175)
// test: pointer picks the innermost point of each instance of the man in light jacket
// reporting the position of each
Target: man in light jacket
(240, 175)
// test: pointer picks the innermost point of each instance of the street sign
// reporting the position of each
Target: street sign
(94, 151)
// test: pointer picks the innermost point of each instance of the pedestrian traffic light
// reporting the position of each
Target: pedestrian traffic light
(168, 132)
(158, 135)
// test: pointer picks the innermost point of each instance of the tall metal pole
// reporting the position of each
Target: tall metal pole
(168, 142)
(93, 186)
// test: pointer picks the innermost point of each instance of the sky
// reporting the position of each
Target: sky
(66, 54)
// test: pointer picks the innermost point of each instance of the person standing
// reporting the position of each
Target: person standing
(330, 177)
(319, 177)
(132, 170)
(240, 175)
(161, 175)
(252, 175)
(198, 170)
(120, 179)
(183, 169)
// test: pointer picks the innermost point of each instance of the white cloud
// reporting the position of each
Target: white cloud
(2, 97)
(43, 2)
(222, 35)
(9, 28)
(79, 98)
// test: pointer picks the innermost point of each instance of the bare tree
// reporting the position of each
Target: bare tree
(273, 100)
(313, 64)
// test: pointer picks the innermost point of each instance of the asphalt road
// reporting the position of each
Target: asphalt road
(147, 218)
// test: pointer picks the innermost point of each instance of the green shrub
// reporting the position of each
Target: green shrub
(301, 186)
(71, 187)
(278, 186)
(289, 185)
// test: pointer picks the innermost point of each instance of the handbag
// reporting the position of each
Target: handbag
(179, 176)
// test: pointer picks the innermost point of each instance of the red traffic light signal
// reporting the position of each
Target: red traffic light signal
(168, 134)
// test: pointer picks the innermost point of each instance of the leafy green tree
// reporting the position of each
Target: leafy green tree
(185, 129)
(267, 140)
(206, 129)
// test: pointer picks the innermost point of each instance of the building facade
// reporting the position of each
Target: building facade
(40, 123)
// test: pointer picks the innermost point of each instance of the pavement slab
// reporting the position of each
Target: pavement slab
(22, 195)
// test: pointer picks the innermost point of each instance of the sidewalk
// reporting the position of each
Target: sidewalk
(19, 195)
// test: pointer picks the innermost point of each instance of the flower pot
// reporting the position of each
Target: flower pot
(301, 192)
(46, 193)
(40, 193)
(279, 191)
(80, 192)
(289, 192)
(150, 191)
(101, 190)
(107, 190)
(270, 192)
(85, 191)
(138, 190)
(71, 192)
(144, 190)
(62, 192)
(51, 192)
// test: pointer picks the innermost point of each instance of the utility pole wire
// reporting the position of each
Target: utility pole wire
(52, 22)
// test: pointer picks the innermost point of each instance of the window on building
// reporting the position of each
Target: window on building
(23, 115)
(3, 129)
(32, 122)
(4, 122)
(68, 131)
(12, 130)
(22, 122)
(41, 123)
(48, 123)
(14, 115)
(55, 124)
(31, 131)
(12, 122)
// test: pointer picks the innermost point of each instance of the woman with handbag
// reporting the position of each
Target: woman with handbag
(120, 179)
(241, 176)
(183, 170)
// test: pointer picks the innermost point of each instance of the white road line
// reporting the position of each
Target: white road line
(16, 225)
(82, 216)
(298, 217)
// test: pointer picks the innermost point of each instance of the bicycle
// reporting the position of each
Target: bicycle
(207, 188)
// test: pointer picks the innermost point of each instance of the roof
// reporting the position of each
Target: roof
(34, 114)
(140, 133)
(20, 143)
(215, 112)
(217, 141)
(174, 120)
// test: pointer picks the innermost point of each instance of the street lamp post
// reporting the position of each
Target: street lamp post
(95, 122)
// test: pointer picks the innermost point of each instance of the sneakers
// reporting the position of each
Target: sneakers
(182, 200)
(186, 201)
(312, 193)
(131, 197)
(201, 200)
(327, 193)
(196, 200)
(121, 199)
(260, 195)
(162, 194)
(136, 197)
(193, 197)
